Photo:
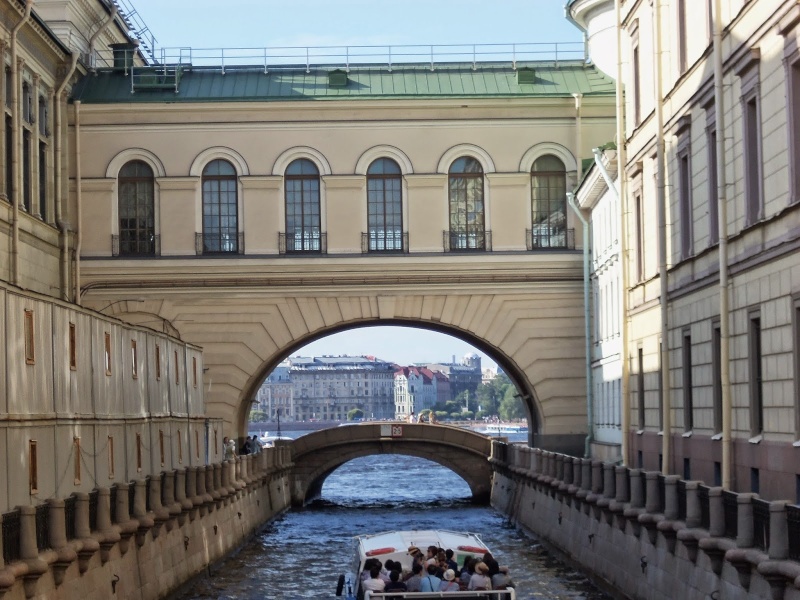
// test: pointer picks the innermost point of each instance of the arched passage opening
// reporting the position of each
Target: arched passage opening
(383, 328)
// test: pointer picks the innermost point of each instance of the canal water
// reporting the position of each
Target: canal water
(301, 554)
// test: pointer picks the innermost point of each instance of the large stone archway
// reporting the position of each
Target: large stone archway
(526, 313)
(316, 455)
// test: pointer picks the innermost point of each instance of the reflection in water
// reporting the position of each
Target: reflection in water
(301, 554)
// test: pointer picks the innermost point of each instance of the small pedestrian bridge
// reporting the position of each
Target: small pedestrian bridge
(317, 455)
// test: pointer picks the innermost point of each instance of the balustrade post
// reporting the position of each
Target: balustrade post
(170, 500)
(597, 476)
(109, 535)
(694, 514)
(653, 503)
(559, 467)
(217, 491)
(744, 520)
(637, 490)
(609, 481)
(577, 472)
(146, 521)
(622, 487)
(180, 495)
(83, 529)
(569, 474)
(160, 512)
(671, 511)
(536, 461)
(28, 549)
(778, 531)
(716, 512)
(56, 524)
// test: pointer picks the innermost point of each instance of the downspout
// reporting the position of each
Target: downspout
(661, 194)
(78, 203)
(15, 143)
(62, 222)
(625, 417)
(724, 311)
(97, 33)
(578, 139)
(587, 319)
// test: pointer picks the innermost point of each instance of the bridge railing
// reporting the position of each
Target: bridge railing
(710, 518)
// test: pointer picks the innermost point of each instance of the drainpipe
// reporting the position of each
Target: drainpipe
(97, 33)
(78, 203)
(587, 319)
(625, 420)
(724, 311)
(578, 140)
(662, 245)
(63, 224)
(16, 140)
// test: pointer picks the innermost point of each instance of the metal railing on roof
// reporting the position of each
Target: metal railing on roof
(345, 57)
(137, 27)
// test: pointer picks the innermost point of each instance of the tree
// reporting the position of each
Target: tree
(257, 416)
(355, 415)
(511, 407)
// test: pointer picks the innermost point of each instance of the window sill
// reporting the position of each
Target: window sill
(688, 434)
(716, 437)
(640, 432)
(796, 444)
(757, 439)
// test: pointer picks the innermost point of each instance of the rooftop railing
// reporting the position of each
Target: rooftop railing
(345, 57)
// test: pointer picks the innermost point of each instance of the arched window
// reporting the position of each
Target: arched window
(384, 206)
(303, 230)
(467, 230)
(220, 208)
(137, 226)
(548, 203)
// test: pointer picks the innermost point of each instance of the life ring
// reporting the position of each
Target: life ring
(379, 551)
(340, 585)
(473, 549)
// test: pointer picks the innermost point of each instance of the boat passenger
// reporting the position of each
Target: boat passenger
(494, 568)
(430, 583)
(480, 580)
(449, 584)
(395, 585)
(467, 572)
(414, 582)
(374, 583)
(502, 581)
(430, 557)
(451, 564)
(412, 418)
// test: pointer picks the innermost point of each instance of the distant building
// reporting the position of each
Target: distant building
(328, 387)
(417, 389)
(464, 375)
(275, 397)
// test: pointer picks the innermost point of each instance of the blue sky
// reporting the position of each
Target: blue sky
(262, 23)
(259, 23)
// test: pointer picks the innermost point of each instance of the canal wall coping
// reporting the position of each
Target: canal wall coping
(144, 539)
(650, 536)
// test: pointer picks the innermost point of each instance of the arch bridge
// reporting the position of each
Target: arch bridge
(317, 455)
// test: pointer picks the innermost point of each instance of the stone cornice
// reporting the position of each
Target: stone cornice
(178, 183)
(341, 182)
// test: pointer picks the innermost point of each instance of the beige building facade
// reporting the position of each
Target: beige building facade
(303, 205)
(710, 188)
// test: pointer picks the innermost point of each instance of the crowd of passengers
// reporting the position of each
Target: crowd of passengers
(436, 571)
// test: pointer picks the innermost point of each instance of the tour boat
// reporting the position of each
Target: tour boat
(395, 545)
(268, 441)
(503, 428)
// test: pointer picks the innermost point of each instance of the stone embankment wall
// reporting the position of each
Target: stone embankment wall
(648, 536)
(141, 540)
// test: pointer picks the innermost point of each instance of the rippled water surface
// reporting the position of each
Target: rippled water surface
(301, 554)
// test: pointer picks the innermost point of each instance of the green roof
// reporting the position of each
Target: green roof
(249, 84)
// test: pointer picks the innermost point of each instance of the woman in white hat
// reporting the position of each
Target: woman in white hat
(480, 580)
(449, 584)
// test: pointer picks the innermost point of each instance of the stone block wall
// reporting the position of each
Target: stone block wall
(648, 536)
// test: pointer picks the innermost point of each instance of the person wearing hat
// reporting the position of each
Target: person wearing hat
(480, 580)
(449, 584)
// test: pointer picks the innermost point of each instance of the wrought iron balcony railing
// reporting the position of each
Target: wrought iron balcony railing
(129, 247)
(219, 243)
(384, 242)
(467, 241)
(546, 238)
(315, 242)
